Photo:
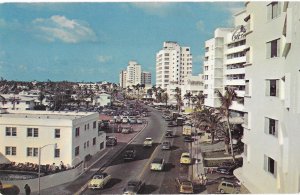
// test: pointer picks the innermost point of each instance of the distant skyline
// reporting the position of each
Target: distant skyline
(95, 41)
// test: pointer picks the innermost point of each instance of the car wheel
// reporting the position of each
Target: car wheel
(222, 191)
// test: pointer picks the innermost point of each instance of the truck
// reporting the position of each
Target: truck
(187, 130)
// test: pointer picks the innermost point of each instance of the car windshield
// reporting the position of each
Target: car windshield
(158, 160)
(98, 177)
(186, 184)
(186, 156)
(166, 143)
(148, 139)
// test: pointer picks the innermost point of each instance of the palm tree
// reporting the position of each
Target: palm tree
(41, 97)
(178, 98)
(226, 101)
(199, 100)
(209, 120)
(154, 89)
(137, 87)
(188, 96)
(165, 97)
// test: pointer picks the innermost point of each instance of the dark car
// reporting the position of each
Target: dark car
(189, 139)
(111, 141)
(225, 170)
(169, 134)
(172, 124)
(133, 187)
(129, 154)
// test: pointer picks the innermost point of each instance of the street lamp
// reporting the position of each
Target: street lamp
(40, 150)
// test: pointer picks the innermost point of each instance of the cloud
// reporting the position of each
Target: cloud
(104, 59)
(154, 8)
(63, 29)
(200, 25)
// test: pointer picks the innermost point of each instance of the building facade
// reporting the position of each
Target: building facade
(75, 134)
(271, 159)
(122, 78)
(17, 102)
(224, 64)
(173, 64)
(146, 78)
(134, 72)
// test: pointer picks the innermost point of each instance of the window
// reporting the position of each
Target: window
(270, 165)
(77, 151)
(101, 145)
(273, 48)
(77, 130)
(88, 126)
(84, 145)
(56, 153)
(32, 151)
(271, 126)
(11, 131)
(94, 124)
(94, 141)
(32, 132)
(88, 144)
(9, 150)
(273, 10)
(56, 133)
(272, 87)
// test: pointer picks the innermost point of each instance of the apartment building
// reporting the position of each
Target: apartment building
(271, 158)
(17, 102)
(134, 72)
(224, 64)
(75, 134)
(173, 64)
(122, 78)
(146, 78)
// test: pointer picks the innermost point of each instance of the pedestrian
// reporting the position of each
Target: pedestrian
(27, 189)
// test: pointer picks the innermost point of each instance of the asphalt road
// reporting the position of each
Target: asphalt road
(156, 182)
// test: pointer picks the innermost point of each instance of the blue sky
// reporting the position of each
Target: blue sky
(95, 41)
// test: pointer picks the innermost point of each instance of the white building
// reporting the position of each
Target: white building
(102, 99)
(193, 85)
(134, 72)
(271, 159)
(224, 63)
(76, 136)
(17, 102)
(173, 64)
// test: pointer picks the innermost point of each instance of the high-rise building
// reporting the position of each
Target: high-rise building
(146, 78)
(123, 76)
(271, 158)
(173, 64)
(133, 76)
(224, 64)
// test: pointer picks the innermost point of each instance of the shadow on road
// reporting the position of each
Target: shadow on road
(149, 189)
(168, 167)
(113, 182)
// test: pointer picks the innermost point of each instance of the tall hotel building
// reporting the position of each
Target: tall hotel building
(271, 158)
(123, 75)
(173, 64)
(146, 78)
(224, 64)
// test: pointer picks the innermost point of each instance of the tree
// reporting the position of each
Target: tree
(41, 97)
(199, 99)
(209, 120)
(178, 98)
(154, 89)
(165, 97)
(188, 96)
(226, 101)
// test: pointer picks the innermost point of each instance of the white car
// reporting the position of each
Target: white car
(148, 142)
(125, 119)
(157, 164)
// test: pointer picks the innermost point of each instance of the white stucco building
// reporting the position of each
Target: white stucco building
(122, 78)
(224, 64)
(17, 102)
(76, 135)
(173, 64)
(134, 71)
(271, 159)
(102, 99)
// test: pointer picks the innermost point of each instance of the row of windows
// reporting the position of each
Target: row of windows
(30, 151)
(272, 87)
(31, 132)
(86, 145)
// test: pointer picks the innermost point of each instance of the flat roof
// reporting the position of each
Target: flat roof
(47, 114)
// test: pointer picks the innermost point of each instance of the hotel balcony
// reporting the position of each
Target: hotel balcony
(235, 71)
(236, 49)
(235, 60)
(235, 82)
(237, 106)
(240, 93)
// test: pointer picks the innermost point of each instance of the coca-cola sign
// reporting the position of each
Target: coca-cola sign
(239, 33)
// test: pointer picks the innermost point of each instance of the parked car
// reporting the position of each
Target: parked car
(111, 141)
(225, 170)
(185, 158)
(132, 120)
(99, 181)
(228, 188)
(169, 134)
(172, 124)
(184, 185)
(148, 142)
(139, 121)
(166, 145)
(133, 187)
(125, 119)
(129, 154)
(157, 164)
(127, 129)
(168, 118)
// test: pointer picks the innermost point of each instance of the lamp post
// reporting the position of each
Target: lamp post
(39, 178)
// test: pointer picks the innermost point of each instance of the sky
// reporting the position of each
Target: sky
(95, 41)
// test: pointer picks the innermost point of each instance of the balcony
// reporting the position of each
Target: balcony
(240, 93)
(235, 71)
(235, 60)
(237, 106)
(235, 82)
(236, 49)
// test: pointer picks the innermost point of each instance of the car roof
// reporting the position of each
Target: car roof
(185, 153)
(148, 138)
